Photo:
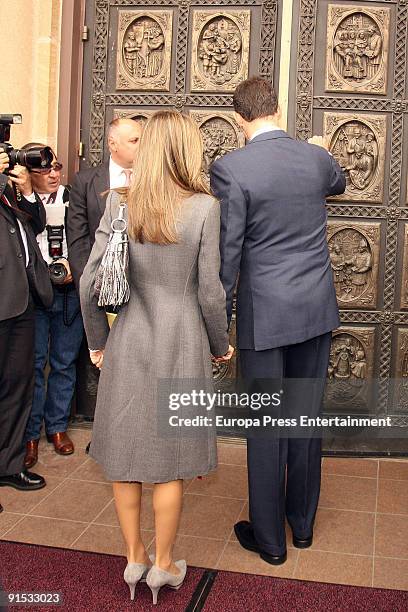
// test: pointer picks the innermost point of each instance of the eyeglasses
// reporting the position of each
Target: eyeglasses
(56, 166)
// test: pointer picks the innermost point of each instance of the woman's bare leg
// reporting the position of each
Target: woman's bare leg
(128, 496)
(167, 504)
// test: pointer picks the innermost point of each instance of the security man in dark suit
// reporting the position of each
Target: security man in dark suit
(24, 281)
(273, 233)
(90, 187)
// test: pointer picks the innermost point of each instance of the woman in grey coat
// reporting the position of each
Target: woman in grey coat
(174, 320)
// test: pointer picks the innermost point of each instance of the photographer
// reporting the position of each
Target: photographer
(24, 282)
(59, 329)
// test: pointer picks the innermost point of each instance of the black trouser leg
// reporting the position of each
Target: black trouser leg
(267, 458)
(16, 388)
(87, 378)
(266, 476)
(307, 360)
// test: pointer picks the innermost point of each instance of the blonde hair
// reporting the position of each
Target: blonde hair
(168, 167)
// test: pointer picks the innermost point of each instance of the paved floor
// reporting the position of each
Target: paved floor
(361, 531)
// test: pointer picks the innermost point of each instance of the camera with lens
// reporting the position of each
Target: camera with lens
(55, 236)
(38, 157)
(58, 273)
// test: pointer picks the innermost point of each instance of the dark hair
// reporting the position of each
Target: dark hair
(255, 98)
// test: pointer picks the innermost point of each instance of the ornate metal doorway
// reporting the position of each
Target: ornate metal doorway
(185, 55)
(355, 94)
(348, 81)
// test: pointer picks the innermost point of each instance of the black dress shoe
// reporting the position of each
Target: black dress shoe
(302, 542)
(245, 536)
(1, 508)
(24, 481)
(88, 446)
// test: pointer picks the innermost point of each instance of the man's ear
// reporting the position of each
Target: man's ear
(238, 119)
(112, 144)
(278, 115)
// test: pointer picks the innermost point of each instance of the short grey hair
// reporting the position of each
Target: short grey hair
(115, 123)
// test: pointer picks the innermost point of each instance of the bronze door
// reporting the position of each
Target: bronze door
(349, 83)
(141, 57)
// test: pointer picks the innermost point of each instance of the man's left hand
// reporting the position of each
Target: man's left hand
(21, 177)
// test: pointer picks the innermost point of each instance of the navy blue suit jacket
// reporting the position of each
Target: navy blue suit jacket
(273, 234)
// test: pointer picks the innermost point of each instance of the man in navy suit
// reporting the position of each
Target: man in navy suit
(273, 234)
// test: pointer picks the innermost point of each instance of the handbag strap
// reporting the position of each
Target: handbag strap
(121, 219)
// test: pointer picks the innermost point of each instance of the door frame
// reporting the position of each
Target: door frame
(70, 86)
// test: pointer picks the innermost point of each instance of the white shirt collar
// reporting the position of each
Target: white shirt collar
(44, 197)
(117, 175)
(263, 130)
(114, 168)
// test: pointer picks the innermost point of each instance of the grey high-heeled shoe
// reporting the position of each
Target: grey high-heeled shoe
(134, 573)
(157, 577)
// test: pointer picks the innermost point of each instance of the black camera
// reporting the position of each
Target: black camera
(55, 236)
(38, 157)
(58, 273)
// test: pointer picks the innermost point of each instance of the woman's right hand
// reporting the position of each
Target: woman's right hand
(225, 357)
(96, 358)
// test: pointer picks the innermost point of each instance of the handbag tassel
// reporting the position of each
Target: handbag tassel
(115, 289)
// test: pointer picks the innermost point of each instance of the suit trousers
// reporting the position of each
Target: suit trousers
(16, 387)
(284, 473)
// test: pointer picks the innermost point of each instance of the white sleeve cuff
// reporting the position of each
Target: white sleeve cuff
(31, 198)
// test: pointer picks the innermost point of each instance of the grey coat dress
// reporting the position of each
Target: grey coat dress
(174, 320)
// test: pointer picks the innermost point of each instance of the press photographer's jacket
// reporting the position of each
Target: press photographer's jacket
(17, 279)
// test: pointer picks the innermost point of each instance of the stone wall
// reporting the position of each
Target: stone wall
(29, 52)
